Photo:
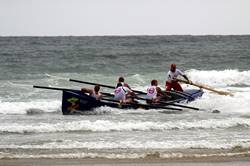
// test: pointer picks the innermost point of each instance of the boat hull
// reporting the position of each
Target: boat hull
(77, 102)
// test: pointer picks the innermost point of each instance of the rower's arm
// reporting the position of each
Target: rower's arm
(159, 91)
(99, 96)
(190, 82)
(182, 74)
(186, 77)
(86, 90)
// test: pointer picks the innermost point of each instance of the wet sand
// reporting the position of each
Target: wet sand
(242, 161)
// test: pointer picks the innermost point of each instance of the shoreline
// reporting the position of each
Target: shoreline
(204, 161)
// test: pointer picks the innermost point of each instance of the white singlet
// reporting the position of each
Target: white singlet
(171, 76)
(151, 92)
(120, 93)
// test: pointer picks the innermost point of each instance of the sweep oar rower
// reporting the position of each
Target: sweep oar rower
(172, 81)
(121, 80)
(154, 93)
(123, 94)
(93, 92)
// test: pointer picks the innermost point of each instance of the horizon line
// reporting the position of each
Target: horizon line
(110, 35)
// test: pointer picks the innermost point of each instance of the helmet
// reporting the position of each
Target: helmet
(173, 67)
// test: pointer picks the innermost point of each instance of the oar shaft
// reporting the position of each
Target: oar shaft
(181, 94)
(91, 83)
(184, 106)
(145, 105)
(162, 107)
(177, 105)
(207, 88)
(103, 85)
(52, 88)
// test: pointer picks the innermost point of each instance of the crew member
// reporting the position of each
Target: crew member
(154, 92)
(93, 92)
(172, 81)
(123, 94)
(121, 80)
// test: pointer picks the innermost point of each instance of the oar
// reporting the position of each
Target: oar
(106, 86)
(161, 102)
(181, 94)
(144, 105)
(53, 88)
(178, 93)
(91, 83)
(135, 104)
(177, 105)
(207, 88)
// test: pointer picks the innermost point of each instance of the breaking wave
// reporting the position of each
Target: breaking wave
(131, 150)
(106, 125)
(221, 78)
(32, 107)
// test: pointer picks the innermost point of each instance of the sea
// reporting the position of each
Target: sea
(32, 125)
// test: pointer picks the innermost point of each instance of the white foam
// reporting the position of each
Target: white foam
(75, 155)
(235, 81)
(106, 125)
(221, 78)
(23, 107)
(81, 155)
(238, 104)
(135, 144)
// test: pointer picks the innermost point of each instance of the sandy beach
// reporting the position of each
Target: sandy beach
(242, 161)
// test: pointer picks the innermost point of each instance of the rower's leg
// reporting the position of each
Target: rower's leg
(177, 87)
(168, 86)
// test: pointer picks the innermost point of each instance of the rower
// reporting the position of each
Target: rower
(123, 94)
(172, 81)
(121, 80)
(154, 93)
(93, 92)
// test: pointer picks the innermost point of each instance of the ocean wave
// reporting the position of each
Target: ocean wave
(151, 155)
(238, 104)
(220, 78)
(126, 150)
(30, 107)
(73, 156)
(111, 126)
(131, 145)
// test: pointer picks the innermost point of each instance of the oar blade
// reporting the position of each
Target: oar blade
(207, 88)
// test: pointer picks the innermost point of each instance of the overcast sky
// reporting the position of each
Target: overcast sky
(123, 17)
